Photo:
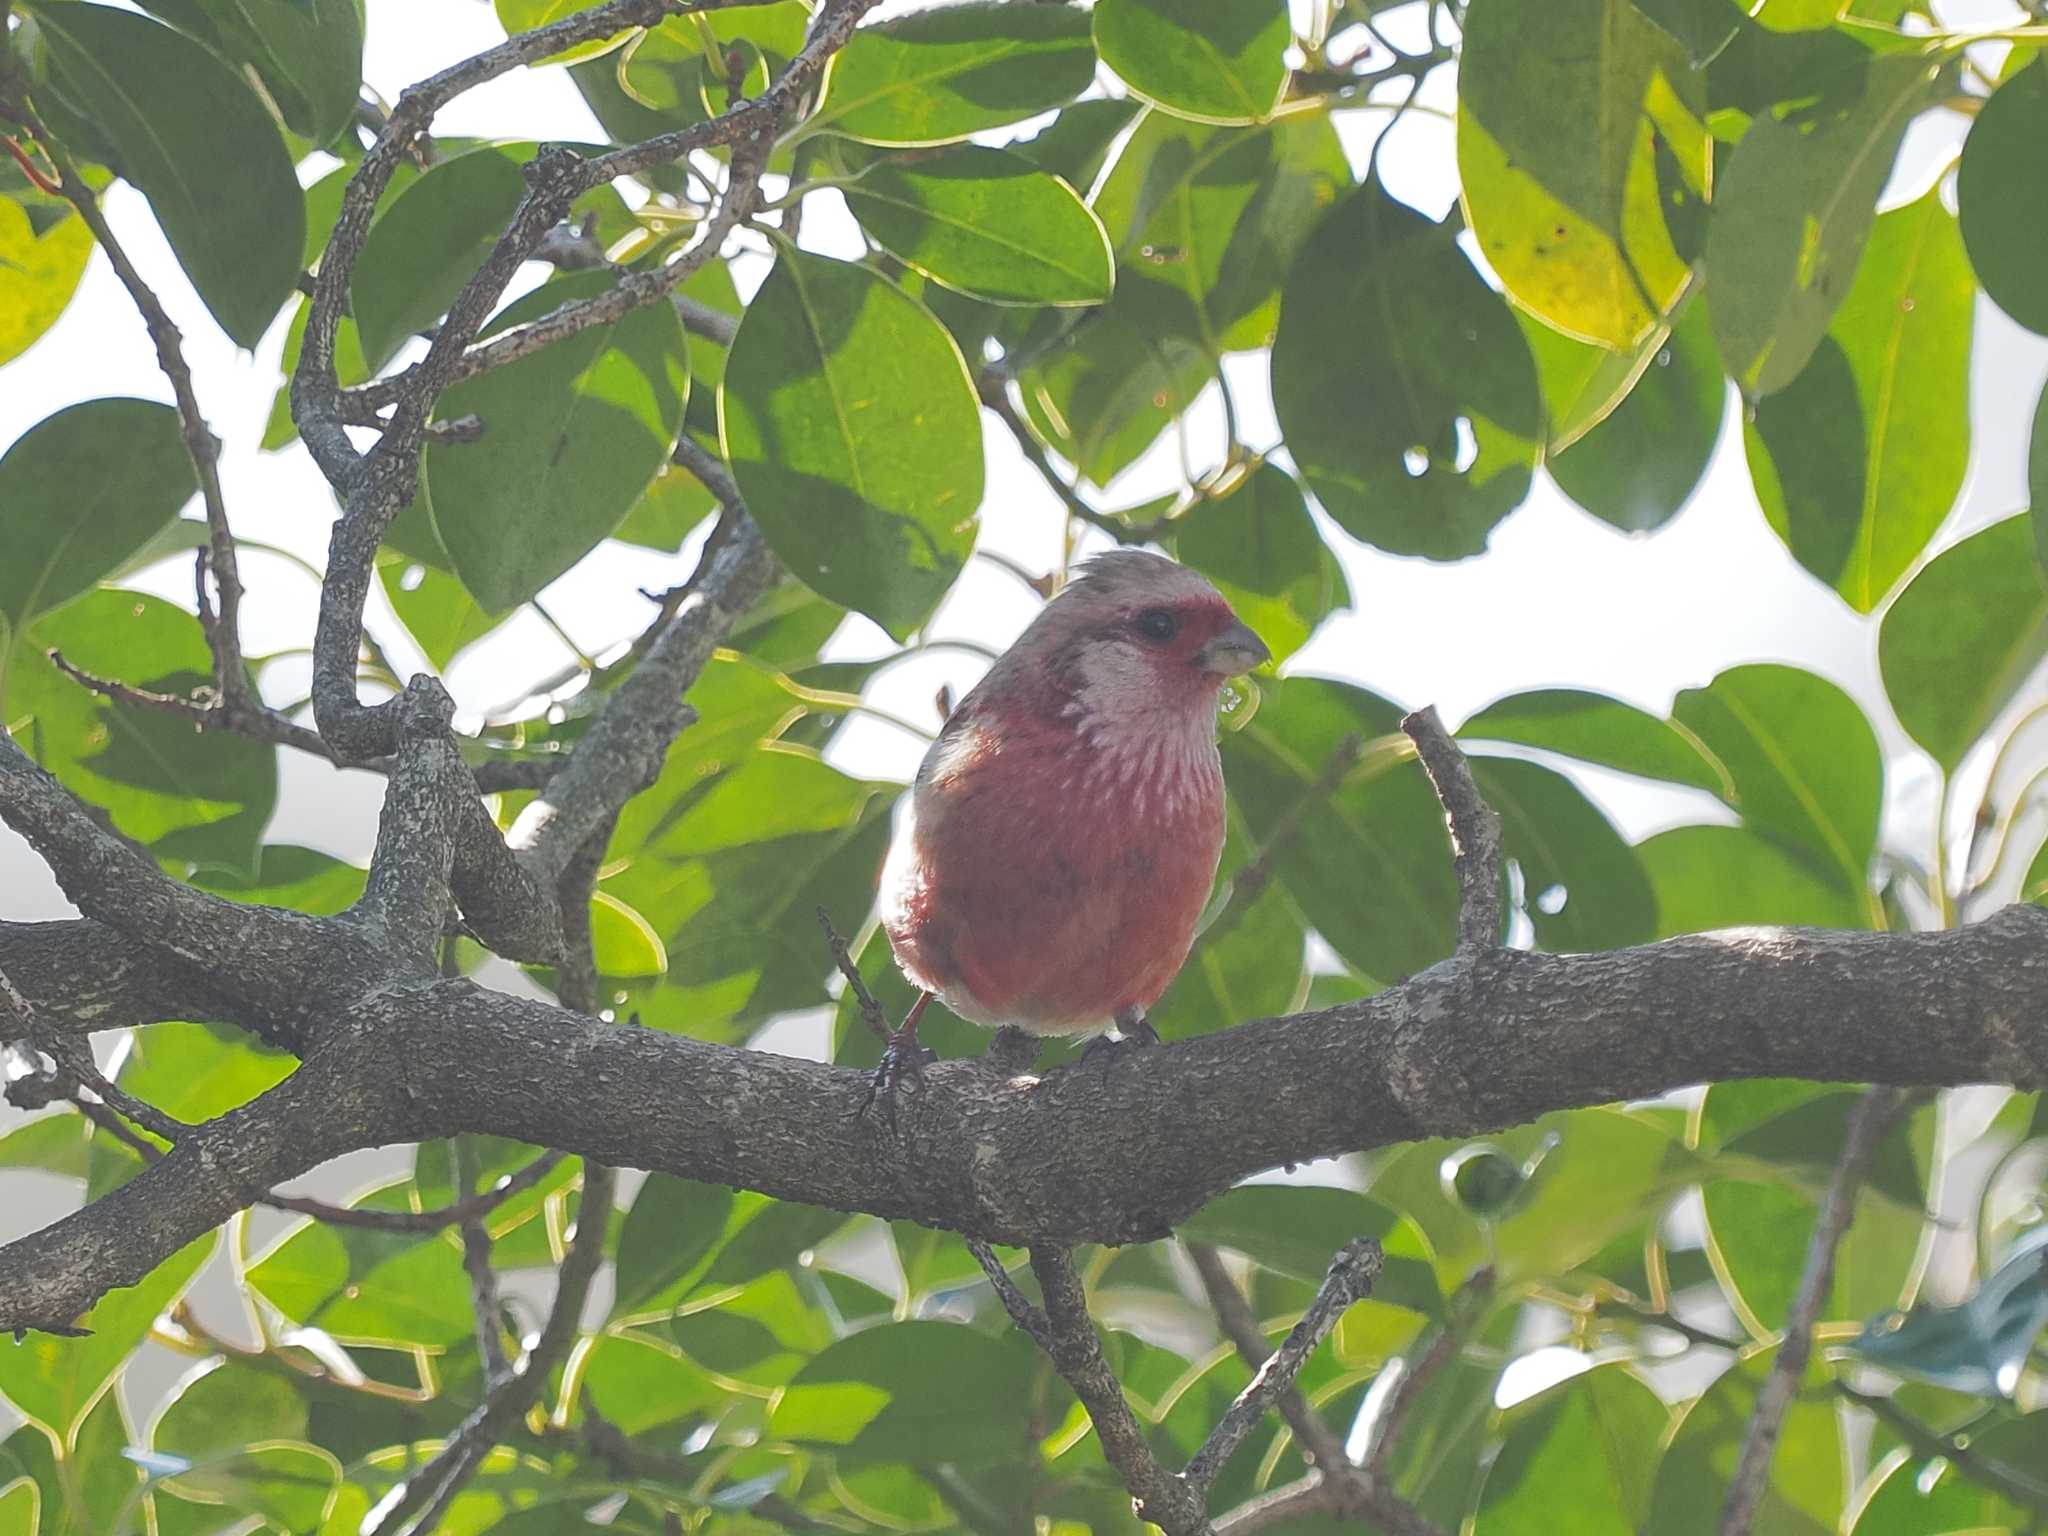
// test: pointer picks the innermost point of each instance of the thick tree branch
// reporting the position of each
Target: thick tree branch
(1871, 1121)
(108, 880)
(1113, 1152)
(622, 752)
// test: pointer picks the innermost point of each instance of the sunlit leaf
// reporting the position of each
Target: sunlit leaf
(1793, 211)
(988, 223)
(854, 433)
(1858, 459)
(1218, 61)
(935, 76)
(1577, 124)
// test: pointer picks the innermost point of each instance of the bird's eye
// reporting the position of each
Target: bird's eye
(1158, 625)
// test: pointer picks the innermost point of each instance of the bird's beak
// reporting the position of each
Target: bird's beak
(1234, 652)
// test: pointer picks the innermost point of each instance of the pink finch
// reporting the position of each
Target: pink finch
(1063, 832)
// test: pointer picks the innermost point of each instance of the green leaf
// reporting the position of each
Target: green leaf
(517, 16)
(1963, 637)
(1217, 61)
(196, 142)
(1806, 1487)
(361, 1284)
(1777, 1145)
(638, 1384)
(1217, 215)
(55, 1380)
(1582, 383)
(914, 1391)
(1260, 547)
(1793, 210)
(1296, 1230)
(988, 223)
(21, 1504)
(1583, 887)
(855, 435)
(1588, 1445)
(1804, 762)
(80, 492)
(426, 244)
(1577, 123)
(672, 1225)
(1730, 877)
(1906, 1496)
(435, 608)
(935, 76)
(1075, 145)
(189, 797)
(44, 247)
(623, 941)
(53, 1143)
(1639, 465)
(1859, 458)
(1597, 729)
(290, 1484)
(1405, 390)
(1103, 392)
(2005, 230)
(1368, 865)
(2037, 477)
(572, 435)
(308, 53)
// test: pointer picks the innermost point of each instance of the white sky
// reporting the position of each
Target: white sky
(1558, 599)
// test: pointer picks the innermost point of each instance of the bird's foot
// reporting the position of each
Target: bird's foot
(1013, 1050)
(902, 1068)
(1132, 1030)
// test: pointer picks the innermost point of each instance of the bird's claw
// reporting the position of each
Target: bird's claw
(903, 1063)
(1131, 1033)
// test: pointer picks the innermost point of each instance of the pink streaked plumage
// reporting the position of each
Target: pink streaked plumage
(1063, 832)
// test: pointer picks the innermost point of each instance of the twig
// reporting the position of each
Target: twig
(1076, 1353)
(1026, 1316)
(413, 1506)
(483, 1280)
(471, 1207)
(1475, 831)
(995, 395)
(870, 1010)
(1386, 1430)
(1319, 1442)
(1869, 1123)
(1928, 1442)
(1311, 1495)
(219, 614)
(1350, 1279)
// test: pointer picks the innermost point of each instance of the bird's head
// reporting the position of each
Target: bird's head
(1133, 638)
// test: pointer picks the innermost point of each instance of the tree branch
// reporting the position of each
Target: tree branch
(1334, 1485)
(1076, 1351)
(1475, 830)
(1090, 1156)
(1351, 1277)
(1869, 1123)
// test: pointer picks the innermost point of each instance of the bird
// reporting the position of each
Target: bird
(1062, 834)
